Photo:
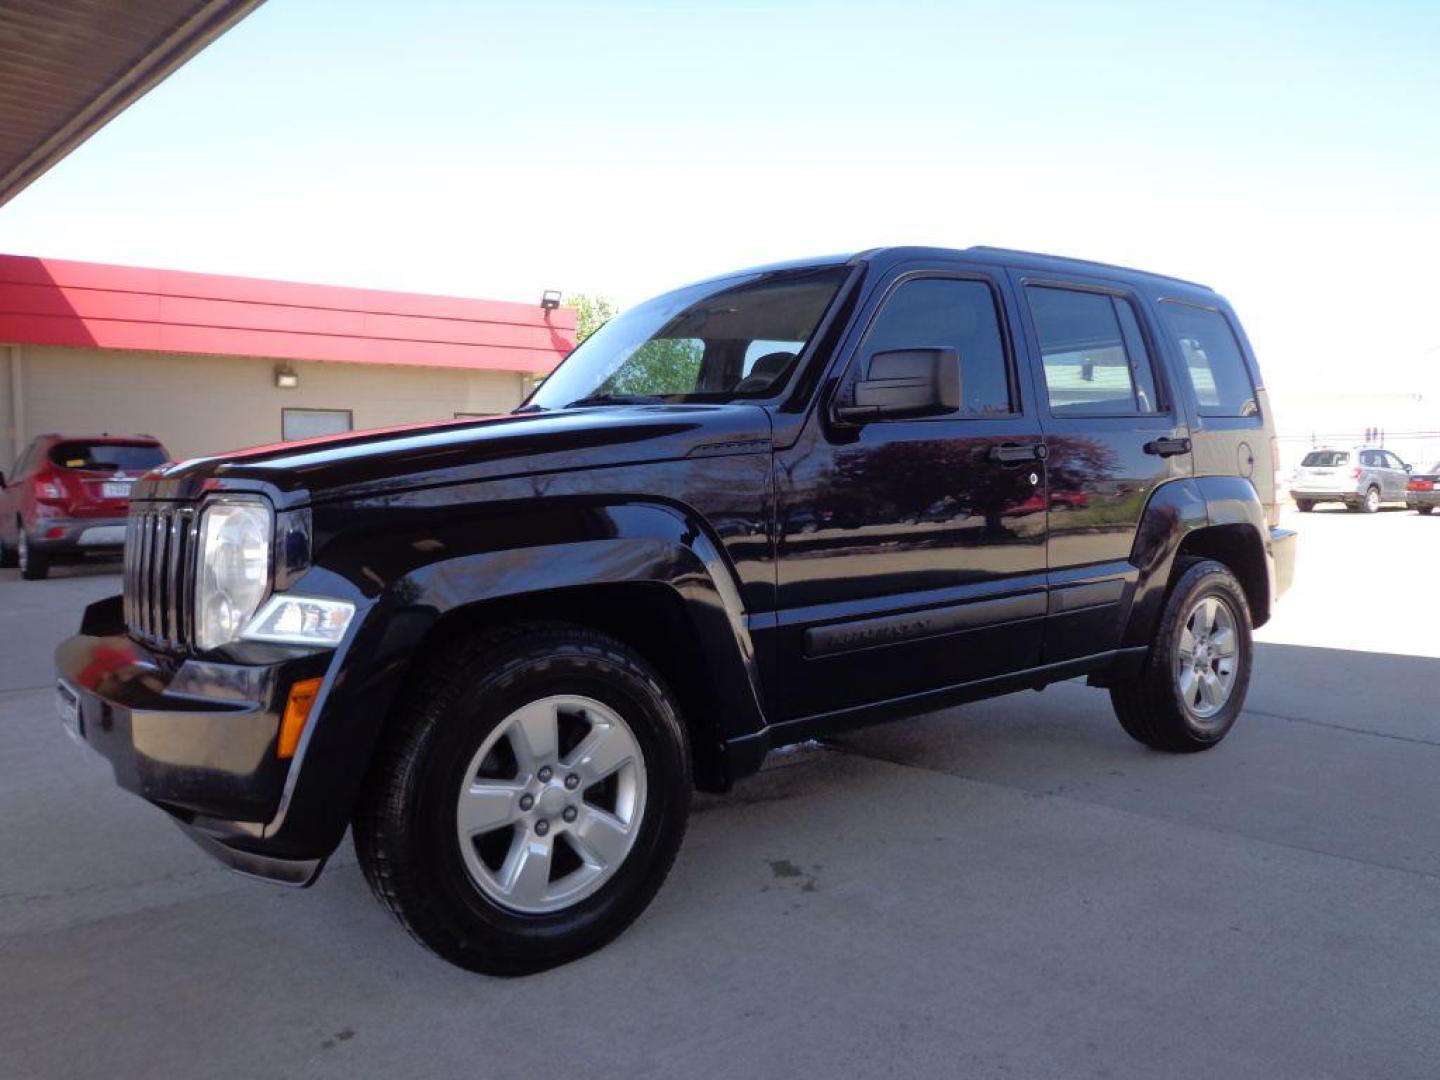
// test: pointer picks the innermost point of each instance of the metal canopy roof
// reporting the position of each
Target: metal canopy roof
(67, 67)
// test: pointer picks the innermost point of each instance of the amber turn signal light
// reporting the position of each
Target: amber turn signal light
(297, 715)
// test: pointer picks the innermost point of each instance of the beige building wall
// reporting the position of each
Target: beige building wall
(205, 404)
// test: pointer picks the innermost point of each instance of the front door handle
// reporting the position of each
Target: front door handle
(1167, 447)
(1015, 453)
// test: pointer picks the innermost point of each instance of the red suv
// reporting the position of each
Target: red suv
(68, 497)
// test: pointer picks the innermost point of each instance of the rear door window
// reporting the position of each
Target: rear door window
(1094, 355)
(1212, 359)
(107, 456)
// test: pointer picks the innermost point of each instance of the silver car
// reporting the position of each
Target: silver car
(1362, 477)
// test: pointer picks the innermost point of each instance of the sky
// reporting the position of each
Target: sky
(1287, 154)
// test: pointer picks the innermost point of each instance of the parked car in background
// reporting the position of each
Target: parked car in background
(1362, 477)
(1422, 492)
(68, 496)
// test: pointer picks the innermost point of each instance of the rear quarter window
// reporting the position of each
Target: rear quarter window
(1323, 459)
(1212, 360)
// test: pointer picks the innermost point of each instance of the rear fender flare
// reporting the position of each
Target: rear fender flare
(1177, 510)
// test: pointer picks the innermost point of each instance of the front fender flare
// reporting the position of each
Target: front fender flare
(603, 545)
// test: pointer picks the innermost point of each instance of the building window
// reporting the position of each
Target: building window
(308, 423)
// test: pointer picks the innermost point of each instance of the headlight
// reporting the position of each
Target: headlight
(301, 620)
(233, 572)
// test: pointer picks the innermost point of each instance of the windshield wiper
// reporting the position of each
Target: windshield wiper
(617, 399)
(528, 409)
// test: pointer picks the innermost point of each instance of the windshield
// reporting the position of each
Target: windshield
(739, 337)
(107, 456)
(1325, 458)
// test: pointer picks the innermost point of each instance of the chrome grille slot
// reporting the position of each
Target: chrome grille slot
(159, 574)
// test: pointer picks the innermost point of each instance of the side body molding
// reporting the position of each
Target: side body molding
(1177, 509)
(456, 563)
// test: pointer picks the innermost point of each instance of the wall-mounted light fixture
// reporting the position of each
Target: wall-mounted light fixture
(286, 378)
(550, 299)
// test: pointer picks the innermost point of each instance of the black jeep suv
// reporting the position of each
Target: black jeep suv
(754, 510)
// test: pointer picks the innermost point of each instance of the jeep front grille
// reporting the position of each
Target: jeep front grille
(160, 543)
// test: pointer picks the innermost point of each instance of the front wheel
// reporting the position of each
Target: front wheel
(528, 800)
(1372, 500)
(1196, 675)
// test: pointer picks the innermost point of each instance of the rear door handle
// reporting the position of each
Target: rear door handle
(1014, 453)
(1167, 447)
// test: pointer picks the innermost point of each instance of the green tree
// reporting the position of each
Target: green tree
(591, 313)
(660, 366)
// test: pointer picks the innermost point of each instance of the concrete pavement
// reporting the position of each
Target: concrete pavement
(1012, 889)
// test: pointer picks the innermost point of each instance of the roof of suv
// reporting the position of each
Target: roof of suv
(1058, 264)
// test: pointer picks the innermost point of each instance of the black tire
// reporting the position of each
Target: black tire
(1305, 505)
(404, 828)
(34, 565)
(9, 557)
(1151, 708)
(1424, 509)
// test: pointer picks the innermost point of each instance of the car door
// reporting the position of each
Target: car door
(1372, 473)
(911, 552)
(1395, 475)
(1114, 431)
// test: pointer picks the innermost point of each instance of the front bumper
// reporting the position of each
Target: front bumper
(79, 536)
(195, 737)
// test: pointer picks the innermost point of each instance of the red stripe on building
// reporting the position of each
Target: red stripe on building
(92, 305)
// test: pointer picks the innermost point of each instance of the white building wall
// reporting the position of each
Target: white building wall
(205, 404)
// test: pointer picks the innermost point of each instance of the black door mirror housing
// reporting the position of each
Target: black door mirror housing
(906, 384)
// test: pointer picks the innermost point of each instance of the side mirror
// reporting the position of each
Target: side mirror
(1409, 468)
(906, 383)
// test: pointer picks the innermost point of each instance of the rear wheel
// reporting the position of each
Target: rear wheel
(529, 799)
(34, 566)
(9, 557)
(1305, 505)
(1424, 509)
(1196, 675)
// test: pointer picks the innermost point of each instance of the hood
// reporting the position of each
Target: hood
(447, 452)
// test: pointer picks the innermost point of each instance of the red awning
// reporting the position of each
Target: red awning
(92, 305)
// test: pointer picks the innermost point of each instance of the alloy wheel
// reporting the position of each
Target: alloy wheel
(1207, 660)
(551, 804)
